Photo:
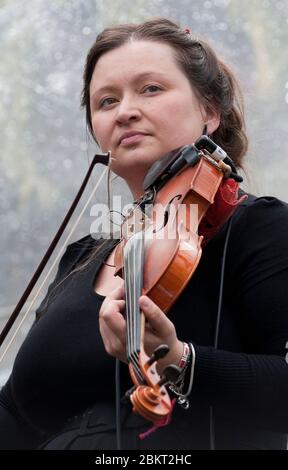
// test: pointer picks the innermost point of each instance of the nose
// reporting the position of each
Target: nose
(128, 110)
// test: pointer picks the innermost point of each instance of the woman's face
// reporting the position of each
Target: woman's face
(143, 106)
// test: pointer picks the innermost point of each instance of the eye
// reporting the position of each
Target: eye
(106, 102)
(151, 89)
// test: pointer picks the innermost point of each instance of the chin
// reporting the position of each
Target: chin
(136, 161)
(135, 171)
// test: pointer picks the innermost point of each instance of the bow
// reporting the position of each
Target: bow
(98, 158)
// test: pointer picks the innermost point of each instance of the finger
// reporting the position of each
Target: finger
(113, 325)
(156, 318)
(111, 306)
(115, 294)
(111, 312)
(118, 293)
(115, 344)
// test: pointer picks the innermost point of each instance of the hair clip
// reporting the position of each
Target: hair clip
(187, 31)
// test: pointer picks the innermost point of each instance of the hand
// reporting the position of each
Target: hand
(113, 325)
(158, 329)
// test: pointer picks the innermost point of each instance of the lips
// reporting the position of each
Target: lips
(131, 137)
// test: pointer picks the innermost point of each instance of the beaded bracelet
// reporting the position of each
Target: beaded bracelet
(185, 356)
(182, 364)
(177, 389)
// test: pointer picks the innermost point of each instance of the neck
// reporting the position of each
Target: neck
(136, 188)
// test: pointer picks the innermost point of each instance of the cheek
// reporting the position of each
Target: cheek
(176, 113)
(179, 121)
(189, 115)
(100, 132)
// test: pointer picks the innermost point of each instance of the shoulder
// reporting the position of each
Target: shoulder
(259, 233)
(76, 254)
(262, 216)
(83, 248)
(257, 206)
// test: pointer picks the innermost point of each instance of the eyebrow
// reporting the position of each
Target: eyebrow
(139, 76)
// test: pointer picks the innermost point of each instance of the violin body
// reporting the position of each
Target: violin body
(173, 256)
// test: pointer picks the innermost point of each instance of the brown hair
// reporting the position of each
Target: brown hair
(211, 79)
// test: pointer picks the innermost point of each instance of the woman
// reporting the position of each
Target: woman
(149, 89)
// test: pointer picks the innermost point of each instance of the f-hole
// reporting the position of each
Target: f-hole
(167, 212)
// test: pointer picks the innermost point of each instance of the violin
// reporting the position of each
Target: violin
(160, 249)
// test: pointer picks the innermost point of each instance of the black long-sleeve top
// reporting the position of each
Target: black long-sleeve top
(62, 368)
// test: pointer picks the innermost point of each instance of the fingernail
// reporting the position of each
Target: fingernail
(145, 302)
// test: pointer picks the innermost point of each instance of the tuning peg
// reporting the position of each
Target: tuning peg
(128, 393)
(158, 353)
(170, 374)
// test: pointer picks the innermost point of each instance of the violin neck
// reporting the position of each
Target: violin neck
(133, 257)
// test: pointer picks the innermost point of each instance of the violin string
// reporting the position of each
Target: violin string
(109, 196)
(137, 283)
(126, 281)
(134, 300)
(130, 295)
(132, 283)
(61, 251)
(128, 286)
(138, 290)
(132, 280)
(141, 280)
(134, 303)
(129, 300)
(135, 307)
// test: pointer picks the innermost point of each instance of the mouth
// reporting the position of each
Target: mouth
(131, 138)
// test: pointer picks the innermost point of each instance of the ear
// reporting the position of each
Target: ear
(212, 120)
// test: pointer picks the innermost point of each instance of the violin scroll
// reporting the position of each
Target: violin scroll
(151, 400)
